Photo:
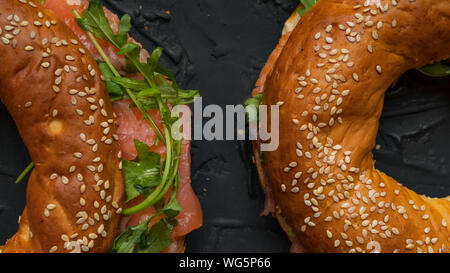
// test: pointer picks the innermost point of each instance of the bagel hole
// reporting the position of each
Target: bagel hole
(413, 134)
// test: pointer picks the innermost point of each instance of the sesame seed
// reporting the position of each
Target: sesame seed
(5, 40)
(375, 35)
(100, 229)
(64, 180)
(378, 67)
(394, 23)
(337, 243)
(395, 231)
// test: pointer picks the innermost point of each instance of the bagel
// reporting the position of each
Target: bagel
(52, 89)
(328, 75)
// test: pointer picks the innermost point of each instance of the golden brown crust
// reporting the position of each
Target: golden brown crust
(291, 22)
(322, 174)
(51, 86)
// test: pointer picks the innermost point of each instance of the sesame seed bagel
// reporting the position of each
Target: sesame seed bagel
(51, 86)
(329, 76)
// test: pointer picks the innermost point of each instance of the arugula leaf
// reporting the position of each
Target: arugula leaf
(94, 20)
(436, 70)
(146, 94)
(130, 83)
(127, 241)
(24, 173)
(42, 2)
(173, 207)
(261, 157)
(308, 4)
(158, 238)
(114, 90)
(143, 173)
(138, 239)
(123, 29)
(254, 101)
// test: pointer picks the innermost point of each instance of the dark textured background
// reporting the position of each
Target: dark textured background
(219, 47)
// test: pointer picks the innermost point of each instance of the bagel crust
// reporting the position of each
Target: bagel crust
(329, 76)
(52, 88)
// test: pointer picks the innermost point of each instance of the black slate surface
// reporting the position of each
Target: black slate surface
(219, 47)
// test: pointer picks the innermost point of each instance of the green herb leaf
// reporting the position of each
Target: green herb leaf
(123, 29)
(173, 208)
(158, 238)
(261, 157)
(252, 113)
(142, 174)
(127, 241)
(255, 101)
(138, 239)
(114, 90)
(308, 4)
(131, 83)
(93, 20)
(436, 70)
(24, 173)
